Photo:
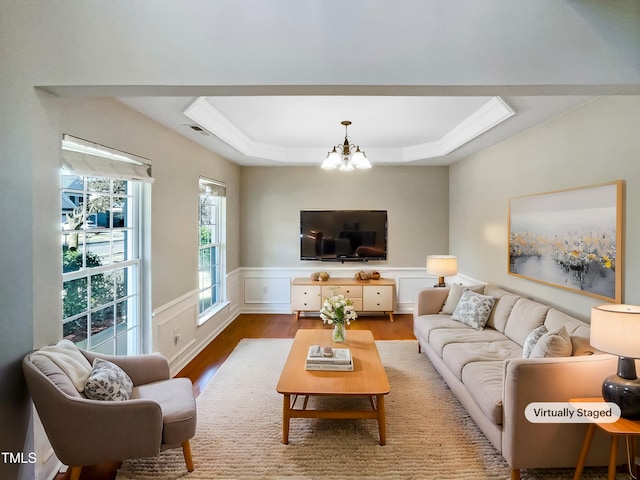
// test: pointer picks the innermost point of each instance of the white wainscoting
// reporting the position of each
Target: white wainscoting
(177, 333)
(267, 290)
(178, 336)
(174, 326)
(407, 289)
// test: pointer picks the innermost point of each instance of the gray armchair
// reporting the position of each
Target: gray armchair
(161, 413)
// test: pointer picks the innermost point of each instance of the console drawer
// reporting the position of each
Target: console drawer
(349, 291)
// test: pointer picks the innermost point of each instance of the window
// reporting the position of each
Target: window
(101, 232)
(211, 258)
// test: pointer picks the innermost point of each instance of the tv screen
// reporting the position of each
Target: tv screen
(343, 235)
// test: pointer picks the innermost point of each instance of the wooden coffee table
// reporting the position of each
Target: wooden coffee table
(368, 379)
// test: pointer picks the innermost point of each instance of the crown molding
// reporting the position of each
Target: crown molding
(489, 115)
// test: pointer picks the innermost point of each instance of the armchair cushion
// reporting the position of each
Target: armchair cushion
(108, 382)
(178, 405)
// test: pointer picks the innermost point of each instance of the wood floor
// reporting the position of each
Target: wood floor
(206, 363)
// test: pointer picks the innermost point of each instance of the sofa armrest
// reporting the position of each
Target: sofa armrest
(142, 369)
(430, 301)
(547, 380)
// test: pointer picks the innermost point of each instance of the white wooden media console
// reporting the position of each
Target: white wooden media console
(367, 295)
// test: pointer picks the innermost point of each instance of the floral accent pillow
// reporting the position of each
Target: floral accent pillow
(473, 309)
(108, 382)
(532, 339)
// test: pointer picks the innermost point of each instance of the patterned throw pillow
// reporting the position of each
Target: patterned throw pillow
(455, 293)
(532, 339)
(108, 382)
(473, 309)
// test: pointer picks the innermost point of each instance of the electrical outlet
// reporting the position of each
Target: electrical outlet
(176, 336)
(265, 290)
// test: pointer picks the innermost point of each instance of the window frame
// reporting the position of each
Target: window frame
(219, 285)
(126, 331)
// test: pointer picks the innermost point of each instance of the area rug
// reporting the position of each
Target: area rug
(429, 434)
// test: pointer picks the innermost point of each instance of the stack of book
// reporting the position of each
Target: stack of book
(339, 361)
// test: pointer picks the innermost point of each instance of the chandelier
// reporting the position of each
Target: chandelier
(346, 156)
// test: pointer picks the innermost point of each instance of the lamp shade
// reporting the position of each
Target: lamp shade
(442, 265)
(616, 329)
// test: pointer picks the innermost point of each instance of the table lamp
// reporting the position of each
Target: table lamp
(442, 266)
(615, 329)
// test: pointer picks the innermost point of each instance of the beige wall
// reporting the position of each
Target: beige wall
(177, 164)
(416, 200)
(595, 143)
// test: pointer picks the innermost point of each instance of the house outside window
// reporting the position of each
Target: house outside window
(211, 247)
(102, 251)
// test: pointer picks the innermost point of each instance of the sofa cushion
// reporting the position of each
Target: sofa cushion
(457, 355)
(532, 339)
(455, 293)
(485, 382)
(473, 309)
(553, 344)
(525, 317)
(578, 330)
(502, 308)
(425, 324)
(440, 338)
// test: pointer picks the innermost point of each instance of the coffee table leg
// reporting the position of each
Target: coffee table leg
(286, 408)
(382, 427)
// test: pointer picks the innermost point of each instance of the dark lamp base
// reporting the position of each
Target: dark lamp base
(622, 390)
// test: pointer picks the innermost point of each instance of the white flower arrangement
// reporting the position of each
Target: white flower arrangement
(338, 310)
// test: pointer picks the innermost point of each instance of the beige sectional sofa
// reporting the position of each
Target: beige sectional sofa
(486, 370)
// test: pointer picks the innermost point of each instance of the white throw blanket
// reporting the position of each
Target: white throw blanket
(70, 359)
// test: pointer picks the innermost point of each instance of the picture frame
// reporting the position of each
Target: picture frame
(571, 239)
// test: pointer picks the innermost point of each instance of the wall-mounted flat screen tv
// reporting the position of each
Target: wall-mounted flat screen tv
(343, 235)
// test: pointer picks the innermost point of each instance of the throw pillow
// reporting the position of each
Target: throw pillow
(473, 309)
(532, 339)
(455, 292)
(108, 382)
(553, 344)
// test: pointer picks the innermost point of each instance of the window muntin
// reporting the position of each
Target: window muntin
(211, 245)
(101, 263)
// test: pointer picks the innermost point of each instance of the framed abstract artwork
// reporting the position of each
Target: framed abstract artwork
(570, 239)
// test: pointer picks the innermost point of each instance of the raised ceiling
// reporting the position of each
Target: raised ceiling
(393, 130)
(283, 72)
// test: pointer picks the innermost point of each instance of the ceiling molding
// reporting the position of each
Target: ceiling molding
(209, 118)
(489, 115)
(492, 113)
